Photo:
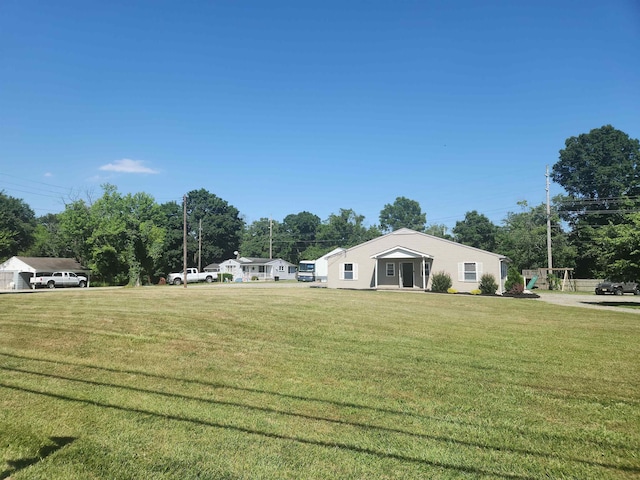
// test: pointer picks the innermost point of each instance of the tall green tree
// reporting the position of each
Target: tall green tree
(17, 226)
(48, 241)
(299, 232)
(145, 237)
(172, 259)
(438, 230)
(620, 246)
(402, 213)
(600, 171)
(599, 166)
(523, 238)
(222, 227)
(262, 237)
(75, 227)
(127, 239)
(476, 230)
(345, 229)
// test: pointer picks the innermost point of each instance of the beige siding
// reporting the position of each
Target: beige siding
(446, 256)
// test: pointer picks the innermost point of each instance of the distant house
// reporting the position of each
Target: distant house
(16, 271)
(407, 259)
(212, 267)
(251, 268)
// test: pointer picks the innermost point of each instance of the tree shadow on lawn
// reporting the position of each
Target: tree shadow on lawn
(44, 452)
(633, 305)
(354, 448)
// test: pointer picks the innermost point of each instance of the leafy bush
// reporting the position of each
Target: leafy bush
(441, 282)
(553, 281)
(515, 282)
(488, 284)
(254, 278)
(476, 291)
(452, 290)
(226, 277)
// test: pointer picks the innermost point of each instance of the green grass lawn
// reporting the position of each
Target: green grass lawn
(228, 382)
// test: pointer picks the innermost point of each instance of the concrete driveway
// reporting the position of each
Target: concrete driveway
(600, 302)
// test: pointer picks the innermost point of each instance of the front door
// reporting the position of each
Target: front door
(407, 275)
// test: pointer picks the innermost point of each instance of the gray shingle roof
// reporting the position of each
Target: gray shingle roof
(52, 264)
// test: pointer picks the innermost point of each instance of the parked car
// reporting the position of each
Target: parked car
(193, 275)
(617, 288)
(58, 279)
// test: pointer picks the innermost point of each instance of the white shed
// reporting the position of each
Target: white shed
(16, 271)
(322, 266)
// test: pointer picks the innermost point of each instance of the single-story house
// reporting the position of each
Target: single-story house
(407, 259)
(16, 271)
(249, 268)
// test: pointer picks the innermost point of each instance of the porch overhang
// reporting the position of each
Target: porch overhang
(401, 253)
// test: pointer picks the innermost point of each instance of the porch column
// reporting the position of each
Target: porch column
(424, 279)
(375, 274)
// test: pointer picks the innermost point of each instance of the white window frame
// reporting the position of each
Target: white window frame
(391, 273)
(464, 275)
(353, 271)
(427, 269)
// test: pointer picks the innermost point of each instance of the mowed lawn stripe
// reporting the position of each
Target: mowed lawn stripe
(218, 382)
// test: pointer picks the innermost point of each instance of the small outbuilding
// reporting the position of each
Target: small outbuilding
(16, 271)
(322, 265)
(407, 259)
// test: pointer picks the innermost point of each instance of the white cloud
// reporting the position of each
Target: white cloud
(127, 166)
(48, 174)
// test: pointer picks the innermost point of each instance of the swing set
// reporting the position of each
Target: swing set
(552, 281)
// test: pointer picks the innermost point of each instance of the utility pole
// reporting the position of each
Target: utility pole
(270, 238)
(549, 257)
(184, 239)
(200, 245)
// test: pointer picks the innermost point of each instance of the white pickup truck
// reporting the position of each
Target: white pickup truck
(58, 279)
(192, 276)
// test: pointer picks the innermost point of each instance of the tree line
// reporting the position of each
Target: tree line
(131, 239)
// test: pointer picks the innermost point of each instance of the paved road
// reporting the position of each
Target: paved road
(601, 302)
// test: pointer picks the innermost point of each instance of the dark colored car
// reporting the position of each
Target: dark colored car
(617, 288)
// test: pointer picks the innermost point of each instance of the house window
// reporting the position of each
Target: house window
(469, 271)
(281, 268)
(261, 269)
(391, 269)
(292, 269)
(348, 271)
(427, 269)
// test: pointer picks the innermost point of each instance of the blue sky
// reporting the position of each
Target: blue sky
(284, 106)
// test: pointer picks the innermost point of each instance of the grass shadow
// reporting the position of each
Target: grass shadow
(614, 304)
(271, 410)
(22, 463)
(277, 436)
